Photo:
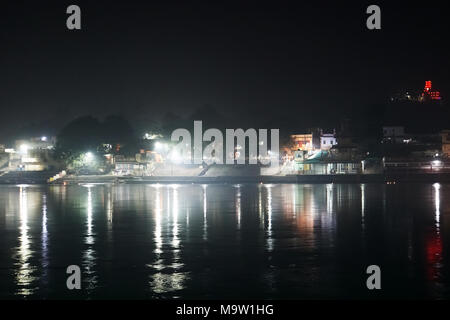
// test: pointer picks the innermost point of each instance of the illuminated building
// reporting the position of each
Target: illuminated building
(428, 93)
(327, 141)
(445, 134)
(316, 140)
(303, 142)
(32, 154)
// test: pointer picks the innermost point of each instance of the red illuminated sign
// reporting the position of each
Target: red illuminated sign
(433, 95)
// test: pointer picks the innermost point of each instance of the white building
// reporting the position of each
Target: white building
(327, 141)
(31, 154)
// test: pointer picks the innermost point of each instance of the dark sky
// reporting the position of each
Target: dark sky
(254, 60)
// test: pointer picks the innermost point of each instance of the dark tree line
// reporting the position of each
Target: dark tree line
(88, 134)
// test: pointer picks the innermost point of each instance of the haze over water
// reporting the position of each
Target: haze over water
(281, 241)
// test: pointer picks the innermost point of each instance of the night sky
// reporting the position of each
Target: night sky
(309, 61)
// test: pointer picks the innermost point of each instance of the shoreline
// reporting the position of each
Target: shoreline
(294, 179)
(26, 178)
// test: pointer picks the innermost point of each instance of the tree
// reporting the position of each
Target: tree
(117, 130)
(88, 135)
(80, 135)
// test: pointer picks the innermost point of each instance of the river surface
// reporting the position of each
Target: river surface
(223, 241)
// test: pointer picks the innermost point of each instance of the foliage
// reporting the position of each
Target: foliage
(89, 135)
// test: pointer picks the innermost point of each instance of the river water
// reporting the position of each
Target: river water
(223, 241)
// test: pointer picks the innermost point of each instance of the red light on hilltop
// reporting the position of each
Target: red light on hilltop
(433, 95)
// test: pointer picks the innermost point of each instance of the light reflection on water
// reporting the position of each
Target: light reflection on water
(45, 258)
(205, 208)
(24, 270)
(89, 255)
(212, 241)
(269, 244)
(168, 275)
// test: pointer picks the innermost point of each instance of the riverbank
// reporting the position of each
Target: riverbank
(341, 178)
(42, 178)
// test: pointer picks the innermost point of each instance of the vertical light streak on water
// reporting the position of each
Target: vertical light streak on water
(187, 219)
(109, 212)
(330, 198)
(89, 254)
(270, 275)
(434, 245)
(294, 204)
(44, 241)
(205, 221)
(24, 274)
(169, 207)
(437, 204)
(313, 206)
(44, 228)
(175, 212)
(89, 238)
(155, 284)
(109, 206)
(158, 217)
(238, 206)
(269, 218)
(260, 207)
(177, 260)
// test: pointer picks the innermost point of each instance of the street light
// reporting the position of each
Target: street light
(176, 157)
(24, 148)
(88, 157)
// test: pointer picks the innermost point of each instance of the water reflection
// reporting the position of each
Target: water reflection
(330, 198)
(166, 271)
(109, 206)
(109, 212)
(437, 203)
(175, 209)
(25, 270)
(205, 221)
(260, 207)
(89, 254)
(306, 218)
(293, 241)
(238, 205)
(269, 240)
(434, 241)
(44, 242)
(158, 217)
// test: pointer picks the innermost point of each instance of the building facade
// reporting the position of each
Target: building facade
(445, 135)
(394, 134)
(327, 141)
